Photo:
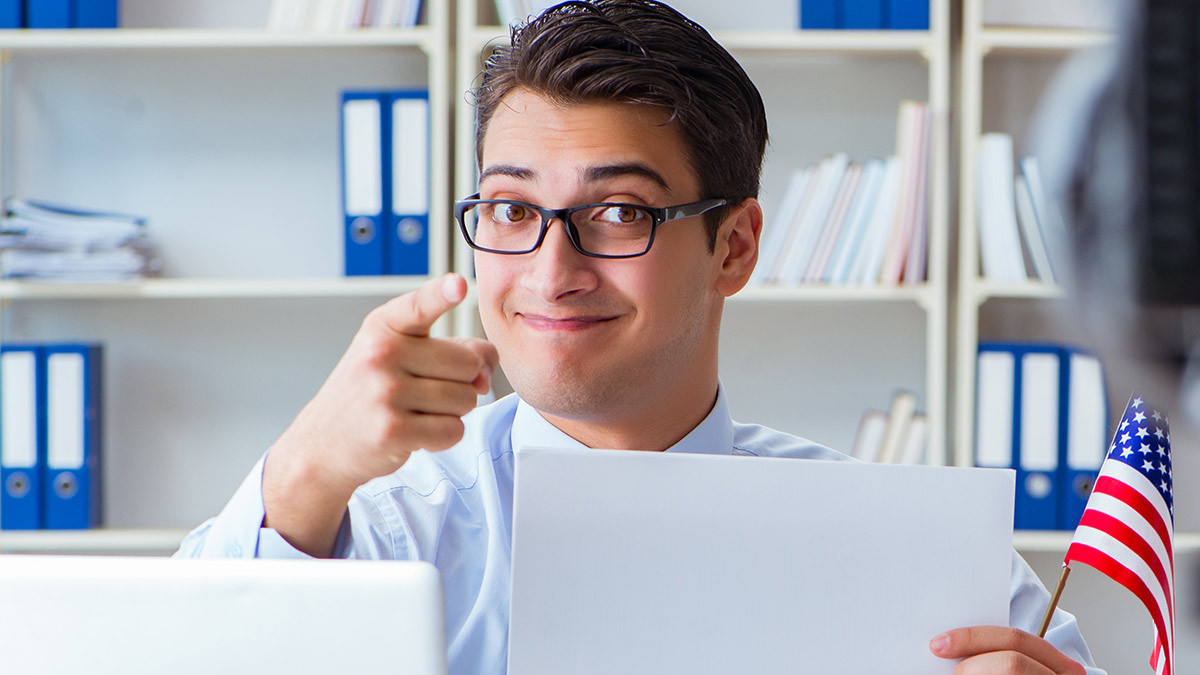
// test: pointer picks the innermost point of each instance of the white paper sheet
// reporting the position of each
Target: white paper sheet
(659, 563)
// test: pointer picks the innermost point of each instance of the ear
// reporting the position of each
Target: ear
(737, 246)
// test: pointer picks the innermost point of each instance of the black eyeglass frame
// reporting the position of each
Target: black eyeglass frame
(658, 216)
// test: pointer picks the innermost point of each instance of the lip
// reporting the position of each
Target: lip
(564, 323)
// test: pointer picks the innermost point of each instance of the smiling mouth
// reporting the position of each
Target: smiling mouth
(566, 323)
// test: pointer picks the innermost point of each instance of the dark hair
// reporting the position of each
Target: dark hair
(640, 51)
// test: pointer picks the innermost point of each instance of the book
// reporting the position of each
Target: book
(999, 241)
(900, 416)
(834, 224)
(1034, 248)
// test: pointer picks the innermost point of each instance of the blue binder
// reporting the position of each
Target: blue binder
(407, 181)
(22, 436)
(12, 14)
(71, 489)
(819, 14)
(1085, 433)
(908, 14)
(862, 14)
(94, 14)
(48, 14)
(363, 182)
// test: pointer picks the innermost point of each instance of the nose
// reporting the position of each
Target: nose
(556, 269)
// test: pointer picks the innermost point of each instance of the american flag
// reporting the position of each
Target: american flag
(1128, 525)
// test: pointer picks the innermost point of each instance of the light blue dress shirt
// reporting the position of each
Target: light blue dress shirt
(454, 509)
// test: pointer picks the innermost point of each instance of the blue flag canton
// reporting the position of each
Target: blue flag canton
(1144, 443)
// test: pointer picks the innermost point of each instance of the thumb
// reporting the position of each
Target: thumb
(414, 313)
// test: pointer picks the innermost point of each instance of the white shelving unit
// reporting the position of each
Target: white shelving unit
(227, 138)
(780, 61)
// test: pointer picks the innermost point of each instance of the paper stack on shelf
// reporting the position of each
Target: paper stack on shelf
(340, 15)
(1014, 215)
(899, 435)
(48, 242)
(842, 222)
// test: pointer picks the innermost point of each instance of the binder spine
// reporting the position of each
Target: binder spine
(406, 169)
(71, 493)
(22, 436)
(363, 185)
(48, 14)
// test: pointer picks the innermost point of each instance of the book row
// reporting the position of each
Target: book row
(58, 14)
(337, 15)
(1041, 409)
(385, 181)
(899, 435)
(1015, 217)
(864, 14)
(50, 436)
(843, 222)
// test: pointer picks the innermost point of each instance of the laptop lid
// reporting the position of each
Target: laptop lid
(110, 615)
(636, 562)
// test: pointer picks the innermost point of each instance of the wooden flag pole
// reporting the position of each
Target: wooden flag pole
(1058, 589)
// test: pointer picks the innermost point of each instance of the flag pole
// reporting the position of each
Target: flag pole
(1058, 589)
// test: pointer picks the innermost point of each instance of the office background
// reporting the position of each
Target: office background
(226, 137)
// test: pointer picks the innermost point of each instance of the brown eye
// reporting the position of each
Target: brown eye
(620, 214)
(513, 213)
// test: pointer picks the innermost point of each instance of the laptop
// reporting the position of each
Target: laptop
(670, 563)
(109, 615)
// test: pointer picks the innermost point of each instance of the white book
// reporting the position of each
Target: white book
(849, 244)
(834, 224)
(277, 14)
(325, 15)
(999, 242)
(907, 137)
(918, 250)
(775, 233)
(868, 439)
(353, 14)
(1049, 218)
(866, 267)
(802, 245)
(1031, 233)
(387, 13)
(775, 274)
(900, 415)
(916, 441)
(1079, 14)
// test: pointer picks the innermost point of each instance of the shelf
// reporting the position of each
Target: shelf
(987, 290)
(1033, 541)
(919, 294)
(214, 288)
(848, 42)
(99, 541)
(1049, 41)
(188, 38)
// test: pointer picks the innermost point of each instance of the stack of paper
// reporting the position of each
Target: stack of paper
(49, 242)
(843, 222)
(339, 15)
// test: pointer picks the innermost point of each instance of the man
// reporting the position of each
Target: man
(605, 318)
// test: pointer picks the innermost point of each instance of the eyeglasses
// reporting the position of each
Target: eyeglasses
(602, 230)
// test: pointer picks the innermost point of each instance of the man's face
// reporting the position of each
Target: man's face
(588, 339)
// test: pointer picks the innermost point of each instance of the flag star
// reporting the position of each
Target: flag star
(1137, 403)
(1148, 465)
(1161, 451)
(1166, 488)
(1142, 433)
(1124, 438)
(1160, 434)
(1145, 449)
(1124, 424)
(1125, 452)
(1156, 416)
(1138, 417)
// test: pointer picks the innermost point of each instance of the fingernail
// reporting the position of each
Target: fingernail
(450, 287)
(939, 643)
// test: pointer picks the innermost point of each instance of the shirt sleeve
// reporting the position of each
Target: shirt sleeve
(1027, 607)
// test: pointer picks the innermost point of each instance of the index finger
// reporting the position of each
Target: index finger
(414, 313)
(967, 642)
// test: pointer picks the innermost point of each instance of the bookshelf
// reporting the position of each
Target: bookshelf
(849, 348)
(225, 135)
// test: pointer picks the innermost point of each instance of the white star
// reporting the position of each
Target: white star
(1156, 416)
(1124, 424)
(1137, 403)
(1145, 448)
(1148, 465)
(1142, 433)
(1138, 417)
(1126, 452)
(1166, 488)
(1161, 451)
(1160, 434)
(1124, 438)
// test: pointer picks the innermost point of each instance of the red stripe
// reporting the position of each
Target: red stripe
(1126, 535)
(1138, 502)
(1122, 575)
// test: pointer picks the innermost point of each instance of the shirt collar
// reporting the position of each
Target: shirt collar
(713, 436)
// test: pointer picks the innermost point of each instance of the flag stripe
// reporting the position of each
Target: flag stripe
(1138, 501)
(1138, 546)
(1122, 511)
(1137, 480)
(1097, 549)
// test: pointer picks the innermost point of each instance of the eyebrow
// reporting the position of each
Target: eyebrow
(591, 174)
